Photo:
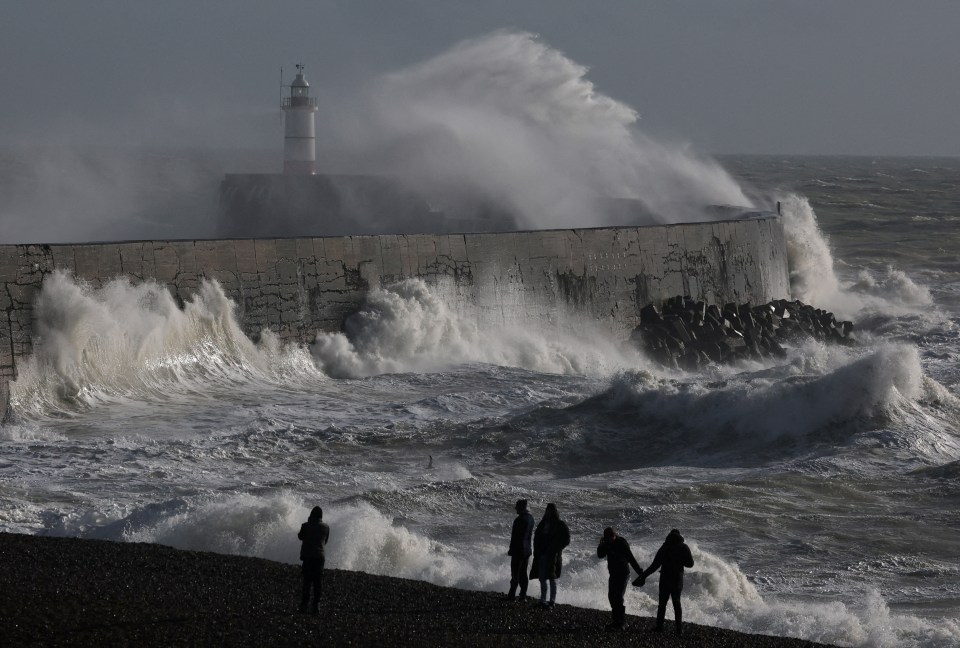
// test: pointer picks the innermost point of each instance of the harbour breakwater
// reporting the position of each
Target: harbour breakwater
(296, 287)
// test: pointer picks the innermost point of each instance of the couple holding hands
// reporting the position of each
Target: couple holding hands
(671, 558)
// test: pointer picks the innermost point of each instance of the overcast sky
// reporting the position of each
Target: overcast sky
(729, 76)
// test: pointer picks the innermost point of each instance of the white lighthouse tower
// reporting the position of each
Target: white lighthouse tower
(299, 132)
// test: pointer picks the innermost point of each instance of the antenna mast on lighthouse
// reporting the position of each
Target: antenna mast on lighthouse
(299, 132)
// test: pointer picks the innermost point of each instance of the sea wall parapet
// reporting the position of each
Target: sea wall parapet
(298, 286)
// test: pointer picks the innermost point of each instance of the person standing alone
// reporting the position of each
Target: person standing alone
(616, 550)
(671, 558)
(520, 550)
(313, 535)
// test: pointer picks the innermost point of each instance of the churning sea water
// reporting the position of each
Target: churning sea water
(819, 492)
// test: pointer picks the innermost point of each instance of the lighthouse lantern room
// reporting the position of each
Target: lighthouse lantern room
(299, 132)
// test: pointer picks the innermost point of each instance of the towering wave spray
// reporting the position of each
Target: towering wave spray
(125, 340)
(508, 121)
(813, 277)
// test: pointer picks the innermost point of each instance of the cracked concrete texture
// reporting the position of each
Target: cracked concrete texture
(296, 287)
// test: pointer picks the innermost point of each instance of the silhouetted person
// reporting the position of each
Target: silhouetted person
(671, 558)
(549, 540)
(616, 550)
(520, 549)
(313, 535)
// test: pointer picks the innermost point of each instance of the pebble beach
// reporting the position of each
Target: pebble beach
(66, 591)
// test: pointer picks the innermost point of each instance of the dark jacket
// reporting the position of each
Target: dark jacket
(520, 536)
(619, 557)
(313, 534)
(549, 540)
(671, 558)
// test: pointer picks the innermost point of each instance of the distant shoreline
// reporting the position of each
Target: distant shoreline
(59, 591)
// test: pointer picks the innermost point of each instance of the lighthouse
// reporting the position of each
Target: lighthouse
(299, 132)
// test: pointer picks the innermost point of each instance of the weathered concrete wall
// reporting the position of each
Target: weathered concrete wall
(298, 286)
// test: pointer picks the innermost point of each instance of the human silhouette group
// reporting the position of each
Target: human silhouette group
(552, 535)
(544, 543)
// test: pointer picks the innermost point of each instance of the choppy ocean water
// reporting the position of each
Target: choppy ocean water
(820, 492)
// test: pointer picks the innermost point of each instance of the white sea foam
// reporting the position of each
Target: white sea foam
(132, 340)
(410, 326)
(822, 398)
(813, 278)
(364, 539)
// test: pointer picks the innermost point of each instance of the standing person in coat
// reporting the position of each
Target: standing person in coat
(616, 550)
(313, 536)
(549, 540)
(671, 558)
(520, 550)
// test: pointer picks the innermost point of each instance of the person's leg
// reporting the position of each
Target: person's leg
(542, 575)
(677, 611)
(553, 591)
(305, 591)
(662, 607)
(622, 612)
(515, 565)
(616, 590)
(524, 566)
(317, 584)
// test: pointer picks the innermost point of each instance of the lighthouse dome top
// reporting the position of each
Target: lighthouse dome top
(299, 81)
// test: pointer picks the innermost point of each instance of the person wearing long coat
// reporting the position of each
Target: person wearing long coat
(549, 540)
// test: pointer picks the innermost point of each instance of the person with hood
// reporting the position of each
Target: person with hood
(520, 550)
(313, 535)
(549, 540)
(671, 558)
(616, 550)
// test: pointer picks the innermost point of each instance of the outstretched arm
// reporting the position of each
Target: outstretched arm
(655, 565)
(633, 561)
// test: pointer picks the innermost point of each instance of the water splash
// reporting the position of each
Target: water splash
(814, 280)
(133, 340)
(511, 121)
(410, 326)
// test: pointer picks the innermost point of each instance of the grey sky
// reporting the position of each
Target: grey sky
(729, 76)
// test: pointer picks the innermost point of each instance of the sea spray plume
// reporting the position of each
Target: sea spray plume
(508, 119)
(71, 194)
(813, 278)
(125, 339)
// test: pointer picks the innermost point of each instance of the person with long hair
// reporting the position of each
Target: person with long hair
(549, 540)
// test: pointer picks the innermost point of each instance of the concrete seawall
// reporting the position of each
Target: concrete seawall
(298, 286)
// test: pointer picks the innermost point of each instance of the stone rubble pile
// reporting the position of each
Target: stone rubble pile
(686, 334)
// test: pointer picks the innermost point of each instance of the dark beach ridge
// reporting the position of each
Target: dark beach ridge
(57, 591)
